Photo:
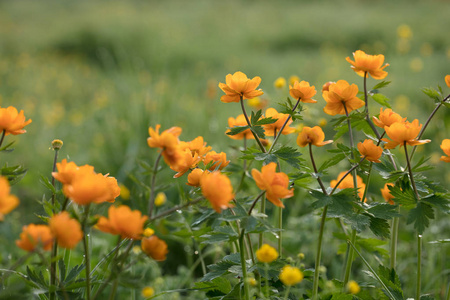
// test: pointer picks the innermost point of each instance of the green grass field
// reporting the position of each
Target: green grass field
(97, 74)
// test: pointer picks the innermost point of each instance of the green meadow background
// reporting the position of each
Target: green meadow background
(97, 74)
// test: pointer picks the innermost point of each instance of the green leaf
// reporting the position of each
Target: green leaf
(220, 283)
(372, 245)
(74, 272)
(433, 94)
(420, 216)
(403, 195)
(47, 183)
(259, 131)
(381, 99)
(6, 148)
(221, 268)
(322, 199)
(265, 121)
(379, 227)
(383, 211)
(438, 200)
(237, 129)
(14, 173)
(391, 280)
(255, 117)
(359, 222)
(334, 160)
(380, 85)
(289, 155)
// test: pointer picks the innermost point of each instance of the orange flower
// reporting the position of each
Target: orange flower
(270, 128)
(386, 193)
(154, 247)
(370, 64)
(7, 201)
(68, 170)
(302, 91)
(347, 183)
(387, 118)
(195, 176)
(314, 136)
(34, 236)
(197, 145)
(237, 86)
(339, 94)
(167, 139)
(12, 121)
(403, 132)
(122, 220)
(188, 161)
(216, 187)
(275, 184)
(239, 121)
(445, 146)
(66, 230)
(87, 187)
(447, 80)
(326, 86)
(370, 151)
(219, 159)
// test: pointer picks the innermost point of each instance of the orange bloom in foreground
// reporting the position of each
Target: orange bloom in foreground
(68, 170)
(237, 86)
(302, 91)
(7, 201)
(369, 150)
(447, 80)
(33, 236)
(370, 64)
(154, 247)
(167, 139)
(270, 128)
(275, 184)
(195, 176)
(239, 121)
(12, 121)
(347, 183)
(403, 132)
(219, 159)
(123, 221)
(187, 161)
(66, 230)
(216, 187)
(387, 118)
(314, 136)
(339, 94)
(386, 193)
(197, 145)
(445, 146)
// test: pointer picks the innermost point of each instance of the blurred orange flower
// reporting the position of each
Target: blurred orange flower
(154, 247)
(237, 86)
(216, 187)
(370, 151)
(239, 121)
(66, 230)
(197, 145)
(403, 132)
(326, 86)
(275, 184)
(447, 80)
(339, 94)
(372, 64)
(314, 136)
(302, 91)
(195, 176)
(270, 128)
(387, 118)
(7, 201)
(386, 193)
(219, 159)
(187, 161)
(33, 236)
(445, 146)
(68, 170)
(123, 221)
(167, 139)
(347, 183)
(12, 121)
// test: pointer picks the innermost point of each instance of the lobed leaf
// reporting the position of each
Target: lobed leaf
(420, 216)
(381, 99)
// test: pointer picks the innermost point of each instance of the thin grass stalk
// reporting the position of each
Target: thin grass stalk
(86, 253)
(319, 254)
(282, 127)
(3, 137)
(250, 125)
(151, 201)
(243, 264)
(55, 244)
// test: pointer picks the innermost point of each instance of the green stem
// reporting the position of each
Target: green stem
(55, 244)
(151, 202)
(319, 254)
(419, 265)
(250, 125)
(324, 190)
(280, 233)
(3, 137)
(243, 264)
(266, 280)
(263, 211)
(348, 266)
(393, 246)
(86, 253)
(411, 177)
(282, 127)
(286, 295)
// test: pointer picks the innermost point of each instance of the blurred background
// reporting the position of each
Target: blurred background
(97, 74)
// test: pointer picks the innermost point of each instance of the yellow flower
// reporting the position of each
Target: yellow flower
(238, 85)
(57, 144)
(252, 281)
(124, 192)
(293, 79)
(257, 103)
(280, 83)
(404, 31)
(66, 230)
(353, 287)
(147, 292)
(7, 201)
(216, 187)
(339, 94)
(160, 199)
(302, 91)
(266, 254)
(370, 151)
(369, 64)
(148, 232)
(403, 132)
(445, 146)
(323, 122)
(313, 136)
(12, 121)
(291, 275)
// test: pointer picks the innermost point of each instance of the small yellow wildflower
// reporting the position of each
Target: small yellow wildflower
(404, 32)
(416, 64)
(254, 102)
(147, 292)
(353, 287)
(322, 122)
(301, 255)
(148, 232)
(160, 199)
(124, 192)
(57, 144)
(266, 254)
(293, 79)
(291, 275)
(136, 250)
(280, 83)
(252, 281)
